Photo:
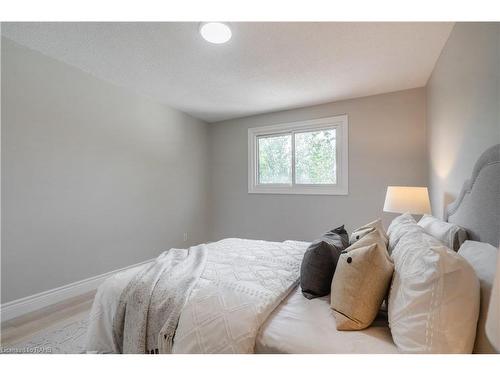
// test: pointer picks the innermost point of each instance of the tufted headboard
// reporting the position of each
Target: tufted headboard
(477, 208)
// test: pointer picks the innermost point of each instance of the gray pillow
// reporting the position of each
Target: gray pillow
(320, 261)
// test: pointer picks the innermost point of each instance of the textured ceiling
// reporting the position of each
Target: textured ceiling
(265, 66)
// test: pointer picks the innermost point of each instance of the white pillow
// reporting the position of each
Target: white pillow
(450, 234)
(401, 225)
(482, 257)
(434, 297)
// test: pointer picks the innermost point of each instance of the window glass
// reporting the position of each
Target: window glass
(275, 159)
(315, 157)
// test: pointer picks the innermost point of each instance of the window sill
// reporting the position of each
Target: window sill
(302, 190)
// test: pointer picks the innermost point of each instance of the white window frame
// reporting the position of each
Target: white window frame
(339, 123)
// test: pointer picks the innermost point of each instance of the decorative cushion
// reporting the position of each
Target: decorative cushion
(401, 225)
(482, 257)
(365, 229)
(360, 282)
(319, 262)
(450, 234)
(434, 297)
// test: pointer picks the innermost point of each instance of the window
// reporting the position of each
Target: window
(308, 157)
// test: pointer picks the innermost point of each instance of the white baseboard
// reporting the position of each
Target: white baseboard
(18, 307)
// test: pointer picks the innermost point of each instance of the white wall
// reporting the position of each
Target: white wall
(386, 147)
(94, 178)
(463, 108)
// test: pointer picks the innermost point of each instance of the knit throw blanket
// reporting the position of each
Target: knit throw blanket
(150, 305)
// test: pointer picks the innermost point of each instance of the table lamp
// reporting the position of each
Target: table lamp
(402, 199)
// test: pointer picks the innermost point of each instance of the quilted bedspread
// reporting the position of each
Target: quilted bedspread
(243, 282)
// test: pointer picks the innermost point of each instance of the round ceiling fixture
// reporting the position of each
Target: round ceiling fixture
(215, 32)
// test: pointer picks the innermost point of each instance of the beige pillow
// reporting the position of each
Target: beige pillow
(365, 229)
(360, 282)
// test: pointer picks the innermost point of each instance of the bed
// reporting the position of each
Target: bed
(251, 302)
(303, 326)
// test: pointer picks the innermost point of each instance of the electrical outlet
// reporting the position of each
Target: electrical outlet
(185, 237)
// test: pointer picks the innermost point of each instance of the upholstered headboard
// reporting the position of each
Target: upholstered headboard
(477, 208)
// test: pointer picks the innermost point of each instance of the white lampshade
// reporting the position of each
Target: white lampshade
(493, 317)
(401, 199)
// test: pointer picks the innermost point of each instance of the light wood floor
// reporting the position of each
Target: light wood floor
(17, 329)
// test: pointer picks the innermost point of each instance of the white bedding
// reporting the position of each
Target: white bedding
(302, 326)
(297, 325)
(243, 281)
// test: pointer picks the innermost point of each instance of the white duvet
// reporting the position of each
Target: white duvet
(243, 281)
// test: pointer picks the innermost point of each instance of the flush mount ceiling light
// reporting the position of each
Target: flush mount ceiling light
(215, 32)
